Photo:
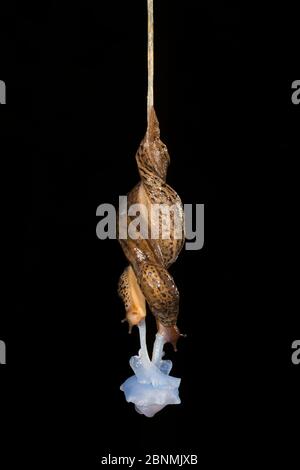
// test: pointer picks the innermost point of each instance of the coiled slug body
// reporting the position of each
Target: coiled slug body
(147, 277)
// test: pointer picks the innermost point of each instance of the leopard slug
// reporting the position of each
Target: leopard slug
(147, 279)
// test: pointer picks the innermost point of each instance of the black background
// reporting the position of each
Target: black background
(75, 115)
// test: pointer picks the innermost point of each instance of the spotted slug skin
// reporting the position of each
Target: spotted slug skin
(147, 277)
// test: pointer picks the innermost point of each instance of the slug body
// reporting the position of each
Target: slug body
(147, 279)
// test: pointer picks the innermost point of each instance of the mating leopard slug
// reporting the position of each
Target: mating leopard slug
(146, 279)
